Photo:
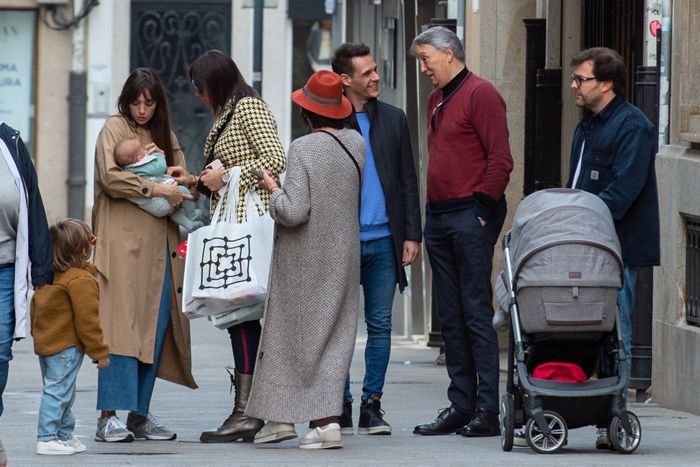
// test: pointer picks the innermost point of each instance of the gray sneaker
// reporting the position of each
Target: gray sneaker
(112, 430)
(148, 427)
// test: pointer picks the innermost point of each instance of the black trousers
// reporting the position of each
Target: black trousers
(245, 340)
(461, 255)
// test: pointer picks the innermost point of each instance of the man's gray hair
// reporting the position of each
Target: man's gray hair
(442, 39)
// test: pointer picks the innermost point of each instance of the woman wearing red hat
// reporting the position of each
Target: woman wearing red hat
(312, 310)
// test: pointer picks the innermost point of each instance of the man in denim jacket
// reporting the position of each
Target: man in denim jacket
(612, 156)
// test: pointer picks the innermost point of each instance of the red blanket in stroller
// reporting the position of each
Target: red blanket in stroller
(560, 371)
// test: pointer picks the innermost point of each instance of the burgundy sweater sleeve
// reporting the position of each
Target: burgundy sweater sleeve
(488, 111)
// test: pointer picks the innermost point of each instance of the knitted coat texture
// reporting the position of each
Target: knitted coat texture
(312, 309)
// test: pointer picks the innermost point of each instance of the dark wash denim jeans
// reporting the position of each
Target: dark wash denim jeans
(7, 322)
(461, 255)
(127, 383)
(378, 279)
(625, 305)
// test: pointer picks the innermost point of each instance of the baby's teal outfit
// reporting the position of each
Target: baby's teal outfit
(154, 170)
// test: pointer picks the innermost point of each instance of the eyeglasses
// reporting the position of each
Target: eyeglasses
(196, 89)
(578, 79)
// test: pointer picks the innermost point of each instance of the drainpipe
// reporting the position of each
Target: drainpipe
(665, 73)
(77, 98)
(460, 20)
(257, 44)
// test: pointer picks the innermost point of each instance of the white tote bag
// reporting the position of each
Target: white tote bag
(240, 315)
(227, 265)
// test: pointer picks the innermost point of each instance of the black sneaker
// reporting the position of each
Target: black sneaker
(371, 421)
(346, 419)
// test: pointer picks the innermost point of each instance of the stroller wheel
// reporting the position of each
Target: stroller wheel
(623, 440)
(547, 444)
(507, 421)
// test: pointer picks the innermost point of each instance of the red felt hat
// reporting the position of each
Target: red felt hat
(323, 95)
(560, 371)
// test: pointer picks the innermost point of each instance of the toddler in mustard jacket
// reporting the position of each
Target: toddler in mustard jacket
(65, 327)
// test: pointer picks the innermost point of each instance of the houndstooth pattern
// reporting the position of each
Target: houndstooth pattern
(250, 141)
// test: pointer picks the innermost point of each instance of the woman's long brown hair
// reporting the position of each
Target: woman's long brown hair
(146, 81)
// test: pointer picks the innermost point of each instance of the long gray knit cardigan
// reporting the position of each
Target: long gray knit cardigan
(312, 310)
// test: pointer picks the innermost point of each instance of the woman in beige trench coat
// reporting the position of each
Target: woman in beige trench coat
(139, 273)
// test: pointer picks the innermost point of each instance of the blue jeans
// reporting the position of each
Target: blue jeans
(626, 304)
(60, 371)
(378, 280)
(7, 322)
(127, 383)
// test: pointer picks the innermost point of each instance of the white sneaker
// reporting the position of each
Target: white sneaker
(519, 439)
(602, 441)
(76, 444)
(275, 432)
(55, 447)
(327, 437)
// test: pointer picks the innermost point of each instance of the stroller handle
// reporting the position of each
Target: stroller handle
(512, 302)
(506, 240)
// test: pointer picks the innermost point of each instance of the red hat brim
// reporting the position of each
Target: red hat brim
(337, 112)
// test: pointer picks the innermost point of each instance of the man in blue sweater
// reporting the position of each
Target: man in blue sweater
(390, 225)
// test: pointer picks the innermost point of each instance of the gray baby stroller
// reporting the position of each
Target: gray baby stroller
(562, 273)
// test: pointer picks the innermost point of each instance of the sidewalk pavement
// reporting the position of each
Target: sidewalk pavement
(414, 392)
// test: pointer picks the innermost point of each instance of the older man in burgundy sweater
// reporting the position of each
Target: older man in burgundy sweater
(468, 171)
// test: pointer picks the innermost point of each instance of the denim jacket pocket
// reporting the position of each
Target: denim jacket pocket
(601, 158)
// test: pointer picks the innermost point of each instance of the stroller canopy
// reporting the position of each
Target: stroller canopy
(562, 216)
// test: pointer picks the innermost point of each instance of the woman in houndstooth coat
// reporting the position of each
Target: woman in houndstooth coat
(244, 135)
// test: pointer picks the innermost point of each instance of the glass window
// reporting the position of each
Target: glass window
(312, 48)
(17, 39)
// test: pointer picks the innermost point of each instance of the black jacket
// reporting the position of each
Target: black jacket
(40, 248)
(391, 146)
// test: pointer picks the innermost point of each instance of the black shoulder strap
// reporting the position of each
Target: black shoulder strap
(357, 166)
(210, 157)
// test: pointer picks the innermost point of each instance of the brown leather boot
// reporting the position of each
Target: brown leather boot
(238, 425)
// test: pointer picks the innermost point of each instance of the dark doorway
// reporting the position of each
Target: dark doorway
(167, 36)
(312, 47)
(619, 25)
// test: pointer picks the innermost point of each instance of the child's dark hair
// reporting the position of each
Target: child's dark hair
(72, 240)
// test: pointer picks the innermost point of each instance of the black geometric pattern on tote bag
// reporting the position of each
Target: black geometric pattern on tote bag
(225, 262)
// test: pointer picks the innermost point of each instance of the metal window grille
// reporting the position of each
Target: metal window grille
(692, 271)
